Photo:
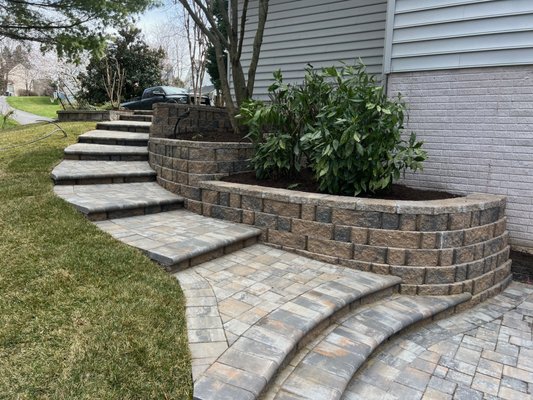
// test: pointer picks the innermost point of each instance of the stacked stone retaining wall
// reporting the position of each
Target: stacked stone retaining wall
(171, 120)
(437, 247)
(90, 115)
(182, 164)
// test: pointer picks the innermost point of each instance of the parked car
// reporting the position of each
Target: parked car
(162, 94)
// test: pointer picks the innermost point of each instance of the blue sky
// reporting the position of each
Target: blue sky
(152, 17)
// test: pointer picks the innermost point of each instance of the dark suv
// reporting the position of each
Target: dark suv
(162, 94)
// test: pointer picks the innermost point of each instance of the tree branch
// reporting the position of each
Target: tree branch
(258, 41)
(242, 28)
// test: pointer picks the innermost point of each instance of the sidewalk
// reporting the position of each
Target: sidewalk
(22, 117)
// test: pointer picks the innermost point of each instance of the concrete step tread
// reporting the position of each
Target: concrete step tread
(90, 199)
(173, 237)
(129, 126)
(79, 169)
(250, 310)
(331, 361)
(104, 149)
(114, 135)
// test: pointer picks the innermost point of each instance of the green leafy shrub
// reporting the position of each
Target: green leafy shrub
(276, 128)
(340, 123)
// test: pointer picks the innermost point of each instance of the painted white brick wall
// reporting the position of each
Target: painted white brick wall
(477, 125)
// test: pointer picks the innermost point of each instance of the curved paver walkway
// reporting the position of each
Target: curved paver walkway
(266, 301)
(482, 353)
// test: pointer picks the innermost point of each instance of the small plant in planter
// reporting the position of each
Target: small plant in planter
(340, 124)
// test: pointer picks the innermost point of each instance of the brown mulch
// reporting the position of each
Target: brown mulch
(305, 183)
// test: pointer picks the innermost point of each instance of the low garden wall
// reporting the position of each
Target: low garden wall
(90, 115)
(439, 247)
(191, 118)
(182, 164)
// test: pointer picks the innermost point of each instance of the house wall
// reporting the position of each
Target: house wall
(477, 127)
(443, 34)
(319, 32)
(22, 79)
(465, 69)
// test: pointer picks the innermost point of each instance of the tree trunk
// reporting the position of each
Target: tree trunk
(232, 43)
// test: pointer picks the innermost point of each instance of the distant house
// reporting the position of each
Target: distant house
(465, 67)
(24, 81)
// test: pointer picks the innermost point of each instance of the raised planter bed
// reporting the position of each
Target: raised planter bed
(437, 247)
(182, 164)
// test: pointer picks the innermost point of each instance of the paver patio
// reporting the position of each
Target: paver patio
(266, 323)
(482, 353)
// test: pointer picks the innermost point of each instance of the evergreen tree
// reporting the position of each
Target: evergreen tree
(140, 63)
(66, 25)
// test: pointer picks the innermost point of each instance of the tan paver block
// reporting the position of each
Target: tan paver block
(207, 350)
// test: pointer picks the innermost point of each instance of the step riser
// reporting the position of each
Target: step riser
(123, 128)
(325, 324)
(304, 369)
(106, 157)
(371, 298)
(208, 256)
(106, 180)
(113, 142)
(142, 118)
(133, 212)
(320, 325)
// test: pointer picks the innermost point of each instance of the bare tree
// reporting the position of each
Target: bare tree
(197, 42)
(235, 19)
(170, 36)
(114, 78)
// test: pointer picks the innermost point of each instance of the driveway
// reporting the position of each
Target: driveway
(22, 117)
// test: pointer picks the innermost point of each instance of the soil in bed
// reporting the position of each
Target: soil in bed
(305, 183)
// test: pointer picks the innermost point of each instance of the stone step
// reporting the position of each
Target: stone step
(180, 239)
(76, 172)
(118, 200)
(104, 152)
(119, 138)
(127, 126)
(143, 112)
(249, 312)
(136, 117)
(325, 368)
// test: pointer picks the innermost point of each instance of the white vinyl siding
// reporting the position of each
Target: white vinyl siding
(317, 32)
(444, 34)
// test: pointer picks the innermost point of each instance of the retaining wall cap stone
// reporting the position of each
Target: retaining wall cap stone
(472, 202)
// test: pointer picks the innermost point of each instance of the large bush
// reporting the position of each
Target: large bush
(340, 123)
(277, 127)
(140, 64)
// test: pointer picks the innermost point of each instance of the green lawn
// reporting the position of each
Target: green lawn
(39, 105)
(10, 123)
(82, 316)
